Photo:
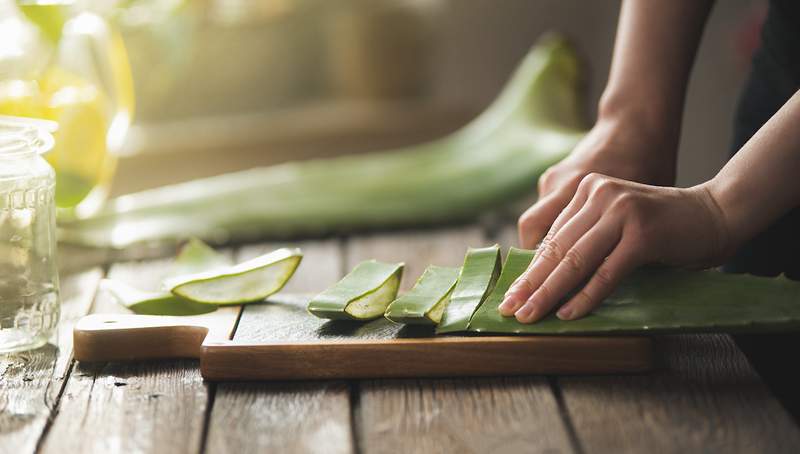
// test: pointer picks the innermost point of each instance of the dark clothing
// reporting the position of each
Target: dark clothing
(774, 78)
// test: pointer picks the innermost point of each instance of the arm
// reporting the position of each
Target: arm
(612, 226)
(639, 115)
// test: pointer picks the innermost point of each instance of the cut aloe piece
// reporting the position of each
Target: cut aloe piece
(478, 276)
(153, 303)
(246, 282)
(363, 294)
(516, 263)
(662, 300)
(535, 122)
(198, 257)
(424, 304)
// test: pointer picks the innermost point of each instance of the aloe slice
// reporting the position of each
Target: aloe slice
(534, 123)
(246, 282)
(195, 256)
(425, 303)
(153, 303)
(361, 295)
(478, 276)
(662, 300)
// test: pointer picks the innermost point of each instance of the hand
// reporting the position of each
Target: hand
(610, 227)
(621, 148)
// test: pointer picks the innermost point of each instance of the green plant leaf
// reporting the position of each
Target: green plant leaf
(424, 304)
(153, 303)
(661, 300)
(363, 294)
(478, 276)
(246, 282)
(534, 123)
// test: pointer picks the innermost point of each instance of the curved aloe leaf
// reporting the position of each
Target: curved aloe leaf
(478, 276)
(246, 282)
(533, 123)
(153, 303)
(363, 294)
(661, 300)
(424, 304)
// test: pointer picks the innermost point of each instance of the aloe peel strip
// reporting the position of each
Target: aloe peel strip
(425, 302)
(661, 300)
(363, 294)
(195, 256)
(533, 123)
(477, 278)
(246, 282)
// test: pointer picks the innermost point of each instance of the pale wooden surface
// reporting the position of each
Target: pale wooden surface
(706, 397)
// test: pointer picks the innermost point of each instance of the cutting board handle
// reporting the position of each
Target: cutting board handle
(120, 337)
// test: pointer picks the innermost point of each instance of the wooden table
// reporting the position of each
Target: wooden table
(704, 397)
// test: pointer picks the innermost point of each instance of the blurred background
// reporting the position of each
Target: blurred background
(221, 85)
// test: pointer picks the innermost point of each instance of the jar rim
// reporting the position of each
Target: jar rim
(21, 136)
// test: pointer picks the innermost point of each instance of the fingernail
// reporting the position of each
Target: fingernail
(507, 304)
(524, 312)
(565, 313)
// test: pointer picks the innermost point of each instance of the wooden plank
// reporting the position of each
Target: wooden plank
(704, 398)
(155, 406)
(31, 382)
(470, 415)
(284, 417)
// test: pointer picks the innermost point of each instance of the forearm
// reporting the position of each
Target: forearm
(653, 54)
(762, 181)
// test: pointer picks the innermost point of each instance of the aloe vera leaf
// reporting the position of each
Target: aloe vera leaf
(663, 300)
(153, 303)
(363, 294)
(534, 123)
(424, 304)
(516, 263)
(246, 282)
(195, 257)
(476, 280)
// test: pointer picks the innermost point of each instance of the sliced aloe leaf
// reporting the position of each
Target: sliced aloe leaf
(664, 300)
(246, 282)
(516, 263)
(198, 257)
(153, 303)
(533, 123)
(424, 304)
(363, 294)
(478, 276)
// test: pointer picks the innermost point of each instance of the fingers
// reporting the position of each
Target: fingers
(619, 264)
(576, 265)
(550, 254)
(537, 220)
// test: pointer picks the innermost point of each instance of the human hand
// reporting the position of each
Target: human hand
(610, 227)
(615, 147)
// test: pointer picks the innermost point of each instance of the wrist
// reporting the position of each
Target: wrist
(726, 237)
(656, 121)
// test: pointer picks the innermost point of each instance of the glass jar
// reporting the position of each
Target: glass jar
(29, 304)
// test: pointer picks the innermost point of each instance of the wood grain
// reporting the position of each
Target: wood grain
(705, 398)
(156, 406)
(31, 382)
(441, 415)
(284, 417)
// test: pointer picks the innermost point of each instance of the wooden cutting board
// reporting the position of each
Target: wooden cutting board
(291, 344)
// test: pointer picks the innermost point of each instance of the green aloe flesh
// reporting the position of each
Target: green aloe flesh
(195, 256)
(477, 278)
(661, 300)
(246, 282)
(534, 122)
(425, 302)
(153, 303)
(363, 294)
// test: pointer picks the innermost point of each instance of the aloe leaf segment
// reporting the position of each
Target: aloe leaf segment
(477, 278)
(363, 294)
(425, 302)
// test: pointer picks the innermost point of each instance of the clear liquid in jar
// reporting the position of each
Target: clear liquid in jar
(29, 302)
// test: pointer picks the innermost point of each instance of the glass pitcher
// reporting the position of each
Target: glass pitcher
(61, 62)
